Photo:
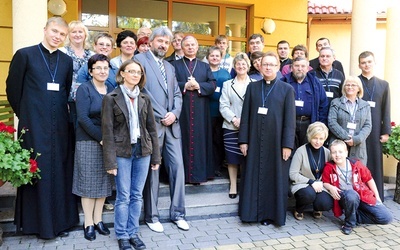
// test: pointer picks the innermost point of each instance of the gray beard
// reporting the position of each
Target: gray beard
(159, 54)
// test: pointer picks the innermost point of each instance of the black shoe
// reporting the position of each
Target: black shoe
(124, 244)
(137, 243)
(101, 228)
(346, 230)
(232, 196)
(89, 232)
(63, 234)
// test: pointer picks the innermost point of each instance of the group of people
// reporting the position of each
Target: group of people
(93, 118)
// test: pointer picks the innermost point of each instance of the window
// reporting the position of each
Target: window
(113, 16)
(95, 13)
(138, 13)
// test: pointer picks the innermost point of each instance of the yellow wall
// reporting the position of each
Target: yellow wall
(340, 36)
(5, 41)
(72, 10)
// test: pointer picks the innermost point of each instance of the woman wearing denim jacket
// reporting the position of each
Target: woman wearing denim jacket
(129, 137)
(349, 118)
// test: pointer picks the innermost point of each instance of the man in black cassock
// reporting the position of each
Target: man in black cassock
(266, 138)
(377, 94)
(37, 87)
(197, 84)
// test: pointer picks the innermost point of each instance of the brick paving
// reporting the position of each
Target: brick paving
(230, 233)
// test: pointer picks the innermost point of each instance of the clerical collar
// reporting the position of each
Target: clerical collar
(189, 59)
(367, 77)
(50, 50)
(269, 82)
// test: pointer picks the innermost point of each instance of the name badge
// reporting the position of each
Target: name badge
(351, 125)
(53, 86)
(299, 103)
(217, 89)
(372, 104)
(329, 94)
(262, 111)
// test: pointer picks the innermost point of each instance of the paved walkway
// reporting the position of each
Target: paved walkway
(230, 233)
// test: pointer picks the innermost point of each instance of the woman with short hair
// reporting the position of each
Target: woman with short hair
(349, 118)
(306, 171)
(90, 180)
(231, 103)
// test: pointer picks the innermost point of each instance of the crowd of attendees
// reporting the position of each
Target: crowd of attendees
(285, 125)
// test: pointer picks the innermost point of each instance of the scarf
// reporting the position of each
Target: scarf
(132, 104)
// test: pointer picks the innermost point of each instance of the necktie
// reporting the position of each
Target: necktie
(162, 69)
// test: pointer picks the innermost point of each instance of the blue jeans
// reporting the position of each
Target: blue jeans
(357, 211)
(130, 180)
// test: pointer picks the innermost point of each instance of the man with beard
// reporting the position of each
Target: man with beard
(311, 101)
(166, 99)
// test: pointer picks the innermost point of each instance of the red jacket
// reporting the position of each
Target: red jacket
(361, 175)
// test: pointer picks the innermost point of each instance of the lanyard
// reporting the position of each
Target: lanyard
(352, 114)
(262, 92)
(327, 79)
(347, 170)
(371, 94)
(53, 77)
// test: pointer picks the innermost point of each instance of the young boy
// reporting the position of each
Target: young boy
(351, 185)
(221, 41)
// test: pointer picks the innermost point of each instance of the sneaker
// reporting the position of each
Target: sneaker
(298, 216)
(137, 243)
(346, 230)
(156, 227)
(182, 224)
(317, 214)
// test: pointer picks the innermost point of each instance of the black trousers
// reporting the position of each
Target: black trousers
(321, 201)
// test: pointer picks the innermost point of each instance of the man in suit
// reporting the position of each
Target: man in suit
(166, 98)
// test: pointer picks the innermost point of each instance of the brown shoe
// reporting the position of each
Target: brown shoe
(298, 216)
(317, 214)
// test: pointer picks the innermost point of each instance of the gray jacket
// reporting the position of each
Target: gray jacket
(338, 119)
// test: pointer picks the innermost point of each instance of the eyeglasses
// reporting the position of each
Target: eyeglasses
(134, 72)
(351, 85)
(107, 45)
(268, 65)
(101, 68)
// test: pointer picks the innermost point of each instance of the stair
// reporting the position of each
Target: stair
(207, 200)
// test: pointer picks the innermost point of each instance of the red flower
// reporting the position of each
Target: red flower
(5, 128)
(34, 166)
(393, 124)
